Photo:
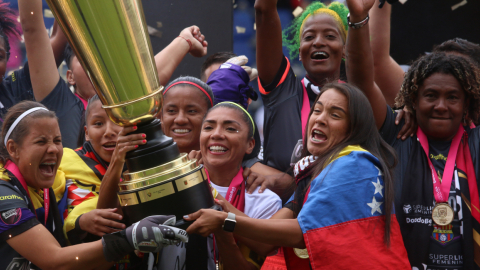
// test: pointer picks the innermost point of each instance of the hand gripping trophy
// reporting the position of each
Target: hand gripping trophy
(111, 41)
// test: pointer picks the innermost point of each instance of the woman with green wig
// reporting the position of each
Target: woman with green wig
(317, 37)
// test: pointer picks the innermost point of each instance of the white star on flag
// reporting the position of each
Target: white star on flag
(375, 206)
(378, 187)
(379, 171)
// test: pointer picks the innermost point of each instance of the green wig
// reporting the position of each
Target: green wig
(291, 35)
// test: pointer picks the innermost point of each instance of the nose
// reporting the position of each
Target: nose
(111, 130)
(441, 105)
(318, 41)
(52, 148)
(322, 118)
(217, 133)
(181, 118)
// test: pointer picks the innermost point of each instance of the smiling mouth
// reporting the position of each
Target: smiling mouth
(318, 136)
(217, 149)
(181, 131)
(47, 168)
(319, 55)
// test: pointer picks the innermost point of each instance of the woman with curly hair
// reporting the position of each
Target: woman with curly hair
(437, 201)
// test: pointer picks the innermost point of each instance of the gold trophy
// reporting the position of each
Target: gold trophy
(111, 41)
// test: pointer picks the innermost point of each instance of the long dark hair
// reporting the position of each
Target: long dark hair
(362, 132)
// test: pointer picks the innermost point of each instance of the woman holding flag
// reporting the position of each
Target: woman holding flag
(341, 209)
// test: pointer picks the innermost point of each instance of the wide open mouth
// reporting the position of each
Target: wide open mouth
(319, 55)
(47, 168)
(318, 136)
(109, 146)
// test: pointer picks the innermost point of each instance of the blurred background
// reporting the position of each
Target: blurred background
(417, 25)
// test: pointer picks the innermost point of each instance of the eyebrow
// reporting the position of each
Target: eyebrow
(224, 122)
(333, 107)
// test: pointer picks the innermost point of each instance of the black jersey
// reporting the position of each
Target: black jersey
(282, 128)
(67, 107)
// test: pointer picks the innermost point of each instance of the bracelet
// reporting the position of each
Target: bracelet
(359, 24)
(189, 42)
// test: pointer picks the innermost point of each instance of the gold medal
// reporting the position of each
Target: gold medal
(442, 214)
(302, 253)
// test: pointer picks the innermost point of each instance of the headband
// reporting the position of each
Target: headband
(243, 109)
(191, 83)
(12, 127)
(332, 13)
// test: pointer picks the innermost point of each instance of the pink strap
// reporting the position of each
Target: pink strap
(442, 189)
(237, 184)
(305, 109)
(13, 168)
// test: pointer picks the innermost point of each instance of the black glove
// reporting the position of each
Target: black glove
(145, 236)
(391, 2)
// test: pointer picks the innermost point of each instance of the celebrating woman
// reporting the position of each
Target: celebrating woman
(31, 151)
(225, 140)
(436, 191)
(341, 140)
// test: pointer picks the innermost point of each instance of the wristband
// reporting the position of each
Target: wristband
(188, 41)
(359, 24)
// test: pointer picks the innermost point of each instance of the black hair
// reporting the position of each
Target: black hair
(216, 58)
(23, 127)
(363, 132)
(466, 73)
(8, 25)
(245, 117)
(68, 55)
(461, 46)
(81, 134)
(208, 96)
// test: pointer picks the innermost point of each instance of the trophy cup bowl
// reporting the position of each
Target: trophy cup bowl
(110, 40)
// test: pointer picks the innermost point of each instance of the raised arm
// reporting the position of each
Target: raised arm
(190, 41)
(269, 39)
(43, 70)
(388, 74)
(59, 41)
(360, 60)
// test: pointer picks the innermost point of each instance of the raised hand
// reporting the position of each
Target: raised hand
(127, 142)
(197, 39)
(359, 9)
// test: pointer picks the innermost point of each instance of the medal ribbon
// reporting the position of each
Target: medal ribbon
(12, 167)
(442, 189)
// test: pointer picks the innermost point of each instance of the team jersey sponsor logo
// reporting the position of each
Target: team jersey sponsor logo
(443, 234)
(11, 216)
(407, 208)
(19, 263)
(427, 221)
(10, 197)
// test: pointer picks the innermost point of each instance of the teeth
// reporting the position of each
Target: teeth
(49, 163)
(181, 130)
(318, 132)
(320, 55)
(217, 148)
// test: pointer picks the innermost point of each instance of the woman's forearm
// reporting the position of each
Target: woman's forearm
(169, 58)
(108, 189)
(230, 254)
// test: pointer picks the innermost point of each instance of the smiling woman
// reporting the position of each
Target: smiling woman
(186, 101)
(357, 208)
(438, 166)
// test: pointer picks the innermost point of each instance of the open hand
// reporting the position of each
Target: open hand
(410, 126)
(101, 221)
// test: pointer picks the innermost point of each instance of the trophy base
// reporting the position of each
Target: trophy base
(177, 196)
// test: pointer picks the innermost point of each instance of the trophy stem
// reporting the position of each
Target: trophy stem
(159, 149)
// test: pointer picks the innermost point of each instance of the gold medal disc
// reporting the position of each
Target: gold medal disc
(302, 253)
(442, 214)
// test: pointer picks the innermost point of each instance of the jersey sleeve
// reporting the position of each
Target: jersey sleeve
(69, 110)
(389, 130)
(15, 217)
